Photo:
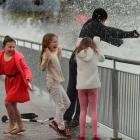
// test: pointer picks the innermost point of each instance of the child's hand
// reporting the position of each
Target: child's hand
(47, 53)
(47, 50)
(59, 51)
(136, 34)
(29, 84)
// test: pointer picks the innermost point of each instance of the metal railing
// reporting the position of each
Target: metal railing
(119, 95)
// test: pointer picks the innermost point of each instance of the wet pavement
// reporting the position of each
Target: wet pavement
(43, 106)
(34, 130)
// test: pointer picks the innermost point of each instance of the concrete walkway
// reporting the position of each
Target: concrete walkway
(43, 106)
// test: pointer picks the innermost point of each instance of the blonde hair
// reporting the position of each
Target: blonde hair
(47, 38)
(85, 43)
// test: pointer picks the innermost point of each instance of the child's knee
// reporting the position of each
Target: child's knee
(7, 104)
(61, 107)
(14, 104)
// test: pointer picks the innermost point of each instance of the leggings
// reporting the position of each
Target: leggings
(60, 99)
(87, 97)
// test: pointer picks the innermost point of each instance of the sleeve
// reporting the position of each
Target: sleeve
(111, 32)
(101, 57)
(1, 69)
(26, 69)
(97, 41)
(45, 61)
(78, 41)
(114, 41)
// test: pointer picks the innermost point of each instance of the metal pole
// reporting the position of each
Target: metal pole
(115, 112)
(114, 64)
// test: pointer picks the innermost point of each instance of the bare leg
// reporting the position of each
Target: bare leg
(19, 122)
(11, 116)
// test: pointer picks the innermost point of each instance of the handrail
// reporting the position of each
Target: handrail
(108, 57)
(24, 40)
(118, 82)
(123, 60)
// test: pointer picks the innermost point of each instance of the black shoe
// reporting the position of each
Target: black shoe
(67, 124)
(65, 132)
(74, 123)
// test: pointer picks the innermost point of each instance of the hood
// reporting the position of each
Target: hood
(96, 39)
(86, 55)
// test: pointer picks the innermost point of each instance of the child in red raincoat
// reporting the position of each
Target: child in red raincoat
(17, 78)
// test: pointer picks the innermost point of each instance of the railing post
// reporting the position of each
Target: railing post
(115, 111)
(24, 43)
(31, 46)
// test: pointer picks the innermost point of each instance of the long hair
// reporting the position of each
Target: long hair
(47, 38)
(85, 43)
(6, 40)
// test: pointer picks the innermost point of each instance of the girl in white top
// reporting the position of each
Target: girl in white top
(87, 57)
(49, 62)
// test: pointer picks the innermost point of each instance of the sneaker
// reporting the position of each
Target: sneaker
(65, 132)
(96, 138)
(53, 124)
(81, 138)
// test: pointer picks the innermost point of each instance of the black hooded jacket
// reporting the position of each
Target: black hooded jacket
(108, 34)
(90, 29)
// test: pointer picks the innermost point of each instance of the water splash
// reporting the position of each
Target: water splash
(29, 5)
(69, 31)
